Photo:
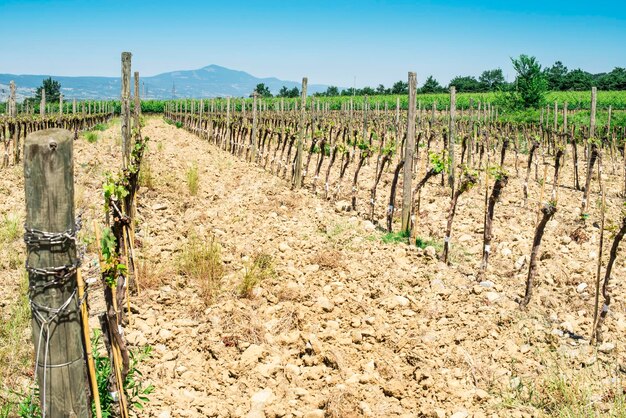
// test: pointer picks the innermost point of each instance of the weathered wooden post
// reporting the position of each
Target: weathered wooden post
(60, 105)
(591, 151)
(409, 151)
(253, 138)
(12, 107)
(74, 106)
(125, 112)
(300, 148)
(451, 127)
(137, 100)
(51, 265)
(42, 104)
(226, 142)
(13, 113)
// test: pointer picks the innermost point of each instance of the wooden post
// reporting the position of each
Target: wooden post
(137, 100)
(253, 139)
(470, 138)
(408, 155)
(60, 104)
(592, 119)
(226, 142)
(300, 148)
(451, 127)
(125, 111)
(42, 104)
(13, 114)
(57, 336)
(432, 115)
(74, 106)
(590, 148)
(12, 107)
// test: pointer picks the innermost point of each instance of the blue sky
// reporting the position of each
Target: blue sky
(330, 42)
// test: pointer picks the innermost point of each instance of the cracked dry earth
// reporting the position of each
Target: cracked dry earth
(351, 326)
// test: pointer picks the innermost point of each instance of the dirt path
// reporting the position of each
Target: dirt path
(349, 325)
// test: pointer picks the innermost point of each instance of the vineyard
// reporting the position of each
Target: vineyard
(418, 255)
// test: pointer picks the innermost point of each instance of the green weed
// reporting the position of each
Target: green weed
(91, 137)
(261, 268)
(428, 242)
(192, 179)
(9, 228)
(15, 350)
(100, 127)
(134, 388)
(393, 237)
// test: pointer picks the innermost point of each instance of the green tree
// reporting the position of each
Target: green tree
(283, 92)
(615, 80)
(262, 90)
(400, 87)
(577, 80)
(432, 86)
(530, 83)
(492, 80)
(465, 84)
(52, 88)
(287, 92)
(554, 75)
(332, 91)
(294, 92)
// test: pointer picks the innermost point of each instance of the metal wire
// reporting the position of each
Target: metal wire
(58, 276)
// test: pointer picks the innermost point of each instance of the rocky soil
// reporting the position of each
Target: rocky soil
(349, 326)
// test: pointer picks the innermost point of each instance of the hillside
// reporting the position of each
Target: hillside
(209, 81)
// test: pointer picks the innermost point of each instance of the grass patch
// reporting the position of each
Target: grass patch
(202, 261)
(91, 137)
(395, 237)
(590, 392)
(100, 127)
(192, 179)
(152, 275)
(15, 350)
(145, 174)
(9, 228)
(261, 268)
(428, 242)
(171, 122)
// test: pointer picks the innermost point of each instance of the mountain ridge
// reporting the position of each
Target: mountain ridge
(209, 81)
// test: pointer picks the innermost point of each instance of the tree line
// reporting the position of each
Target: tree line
(556, 78)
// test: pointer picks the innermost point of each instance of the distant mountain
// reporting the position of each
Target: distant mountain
(210, 81)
